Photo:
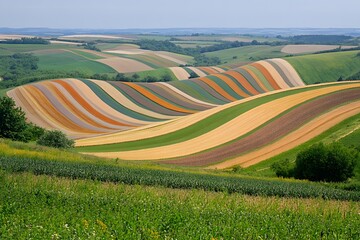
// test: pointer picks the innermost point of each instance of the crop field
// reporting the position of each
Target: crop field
(247, 54)
(68, 61)
(327, 67)
(51, 207)
(298, 49)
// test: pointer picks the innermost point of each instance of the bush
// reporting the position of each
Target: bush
(283, 168)
(331, 163)
(56, 139)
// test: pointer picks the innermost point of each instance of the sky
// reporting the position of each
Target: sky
(125, 14)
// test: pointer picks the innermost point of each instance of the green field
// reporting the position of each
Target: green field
(327, 67)
(41, 207)
(247, 54)
(158, 73)
(9, 49)
(67, 61)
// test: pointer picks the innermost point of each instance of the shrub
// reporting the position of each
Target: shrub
(56, 139)
(283, 168)
(331, 163)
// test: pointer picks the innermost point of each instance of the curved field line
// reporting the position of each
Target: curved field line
(119, 97)
(85, 90)
(113, 116)
(178, 91)
(243, 81)
(178, 98)
(258, 81)
(231, 84)
(158, 100)
(261, 77)
(228, 131)
(295, 138)
(41, 102)
(276, 76)
(217, 88)
(74, 107)
(32, 114)
(267, 75)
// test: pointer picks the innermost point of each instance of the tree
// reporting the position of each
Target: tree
(166, 78)
(331, 163)
(12, 121)
(193, 75)
(56, 139)
(283, 168)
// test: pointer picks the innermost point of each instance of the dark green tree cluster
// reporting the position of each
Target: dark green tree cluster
(26, 40)
(17, 65)
(13, 126)
(56, 139)
(330, 163)
(136, 78)
(91, 46)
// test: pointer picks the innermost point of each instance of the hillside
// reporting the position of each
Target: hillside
(327, 67)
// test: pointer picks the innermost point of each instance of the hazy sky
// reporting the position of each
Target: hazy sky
(120, 14)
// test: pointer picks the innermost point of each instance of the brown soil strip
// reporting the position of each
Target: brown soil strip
(272, 131)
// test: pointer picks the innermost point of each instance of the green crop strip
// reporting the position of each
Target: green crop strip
(196, 129)
(173, 179)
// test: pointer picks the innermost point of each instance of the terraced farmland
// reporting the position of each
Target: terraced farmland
(239, 116)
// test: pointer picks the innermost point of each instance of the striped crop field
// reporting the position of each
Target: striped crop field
(228, 117)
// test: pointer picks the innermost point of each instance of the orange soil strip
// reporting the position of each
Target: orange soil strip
(163, 128)
(288, 69)
(180, 73)
(229, 131)
(186, 95)
(125, 65)
(232, 85)
(119, 97)
(217, 88)
(87, 106)
(158, 100)
(267, 75)
(295, 138)
(274, 73)
(258, 81)
(100, 105)
(242, 80)
(71, 106)
(198, 71)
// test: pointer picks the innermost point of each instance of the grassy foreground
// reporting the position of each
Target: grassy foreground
(42, 207)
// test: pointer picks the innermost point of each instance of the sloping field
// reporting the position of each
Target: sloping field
(327, 67)
(284, 119)
(311, 48)
(83, 108)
